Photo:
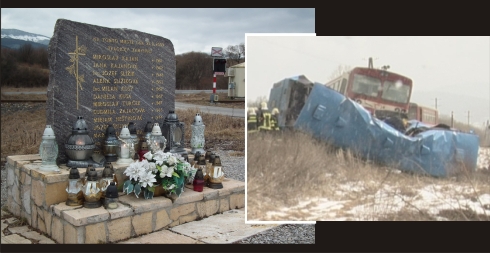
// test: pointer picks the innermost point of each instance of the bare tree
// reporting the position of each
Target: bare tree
(235, 54)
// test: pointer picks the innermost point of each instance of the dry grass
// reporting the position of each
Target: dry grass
(22, 131)
(291, 176)
(203, 98)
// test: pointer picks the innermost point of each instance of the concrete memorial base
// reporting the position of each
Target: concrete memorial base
(40, 197)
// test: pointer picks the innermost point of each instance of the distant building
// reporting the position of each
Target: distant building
(236, 81)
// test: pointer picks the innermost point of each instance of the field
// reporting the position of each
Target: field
(292, 177)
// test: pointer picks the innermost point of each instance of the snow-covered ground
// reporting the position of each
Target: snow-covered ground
(445, 199)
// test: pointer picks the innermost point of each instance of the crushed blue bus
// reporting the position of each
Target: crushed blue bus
(339, 121)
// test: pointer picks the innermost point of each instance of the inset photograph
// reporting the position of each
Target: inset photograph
(367, 128)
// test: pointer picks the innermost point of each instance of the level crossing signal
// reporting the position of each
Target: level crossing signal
(219, 65)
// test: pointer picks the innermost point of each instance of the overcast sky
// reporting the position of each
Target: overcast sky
(455, 70)
(189, 29)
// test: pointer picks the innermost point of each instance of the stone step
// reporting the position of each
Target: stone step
(40, 197)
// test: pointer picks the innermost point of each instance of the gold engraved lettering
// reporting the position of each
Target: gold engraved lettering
(105, 111)
(104, 96)
(126, 41)
(133, 102)
(99, 135)
(102, 119)
(124, 96)
(141, 50)
(118, 49)
(102, 127)
(127, 73)
(101, 80)
(126, 118)
(109, 73)
(105, 57)
(123, 80)
(109, 40)
(123, 66)
(97, 104)
(109, 88)
(99, 65)
(132, 110)
(127, 88)
(129, 58)
(157, 44)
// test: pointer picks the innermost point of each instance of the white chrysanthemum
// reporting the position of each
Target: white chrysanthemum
(159, 156)
(147, 179)
(133, 171)
(159, 162)
(144, 164)
(148, 155)
(171, 160)
(166, 171)
(153, 167)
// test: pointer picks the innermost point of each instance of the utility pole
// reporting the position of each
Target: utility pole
(436, 104)
(468, 119)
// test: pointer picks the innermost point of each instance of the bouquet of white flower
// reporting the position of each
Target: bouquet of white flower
(170, 170)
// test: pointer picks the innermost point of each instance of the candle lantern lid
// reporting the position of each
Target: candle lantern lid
(74, 174)
(110, 131)
(48, 133)
(148, 127)
(156, 130)
(212, 157)
(198, 120)
(132, 128)
(111, 191)
(207, 155)
(144, 145)
(90, 166)
(80, 126)
(217, 161)
(125, 133)
(92, 175)
(199, 174)
(171, 117)
(108, 170)
(202, 160)
(197, 155)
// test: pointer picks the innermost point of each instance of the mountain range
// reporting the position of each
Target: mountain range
(14, 39)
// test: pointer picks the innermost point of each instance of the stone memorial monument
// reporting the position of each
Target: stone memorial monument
(107, 76)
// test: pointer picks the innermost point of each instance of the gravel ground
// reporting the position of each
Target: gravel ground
(234, 168)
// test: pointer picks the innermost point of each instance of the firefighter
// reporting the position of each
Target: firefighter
(251, 120)
(265, 118)
(274, 119)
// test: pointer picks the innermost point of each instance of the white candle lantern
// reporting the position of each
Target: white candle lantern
(125, 146)
(197, 135)
(48, 150)
(216, 174)
(157, 141)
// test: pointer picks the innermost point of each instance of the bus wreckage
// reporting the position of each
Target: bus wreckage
(330, 116)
